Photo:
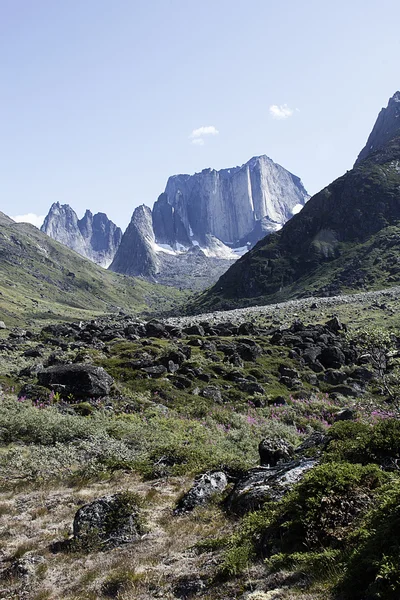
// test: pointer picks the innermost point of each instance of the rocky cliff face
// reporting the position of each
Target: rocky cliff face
(202, 223)
(230, 204)
(94, 236)
(386, 128)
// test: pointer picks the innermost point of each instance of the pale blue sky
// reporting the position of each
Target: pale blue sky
(99, 97)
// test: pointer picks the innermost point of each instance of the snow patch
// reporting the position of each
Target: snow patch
(296, 209)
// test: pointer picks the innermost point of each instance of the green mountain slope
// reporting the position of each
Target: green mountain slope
(42, 279)
(346, 238)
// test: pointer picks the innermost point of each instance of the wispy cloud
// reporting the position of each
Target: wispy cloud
(197, 136)
(36, 220)
(281, 111)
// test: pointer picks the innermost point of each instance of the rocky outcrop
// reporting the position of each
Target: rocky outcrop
(386, 128)
(206, 486)
(94, 236)
(234, 205)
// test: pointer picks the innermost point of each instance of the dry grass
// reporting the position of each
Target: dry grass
(34, 520)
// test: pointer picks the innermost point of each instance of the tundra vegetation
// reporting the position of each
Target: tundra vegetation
(105, 425)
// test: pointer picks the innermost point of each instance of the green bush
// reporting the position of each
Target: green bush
(362, 443)
(372, 569)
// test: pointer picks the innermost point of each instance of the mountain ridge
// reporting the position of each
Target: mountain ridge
(350, 211)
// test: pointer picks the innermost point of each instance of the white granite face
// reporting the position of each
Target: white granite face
(228, 203)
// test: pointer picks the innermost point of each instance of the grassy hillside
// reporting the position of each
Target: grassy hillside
(40, 279)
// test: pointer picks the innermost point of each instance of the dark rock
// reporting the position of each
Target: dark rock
(247, 329)
(362, 374)
(317, 441)
(264, 484)
(288, 372)
(335, 325)
(279, 401)
(251, 387)
(33, 353)
(346, 390)
(176, 356)
(335, 377)
(249, 351)
(156, 329)
(31, 370)
(332, 357)
(274, 451)
(346, 414)
(194, 330)
(212, 392)
(34, 392)
(108, 522)
(181, 382)
(155, 371)
(189, 586)
(82, 381)
(235, 360)
(204, 488)
(290, 383)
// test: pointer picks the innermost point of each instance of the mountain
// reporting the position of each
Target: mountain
(41, 279)
(202, 223)
(228, 204)
(94, 236)
(386, 128)
(346, 238)
(189, 266)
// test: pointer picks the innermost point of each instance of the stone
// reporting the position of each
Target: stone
(82, 381)
(346, 414)
(204, 488)
(109, 522)
(212, 392)
(248, 352)
(288, 372)
(194, 330)
(251, 387)
(264, 484)
(274, 451)
(332, 357)
(155, 371)
(3, 325)
(155, 329)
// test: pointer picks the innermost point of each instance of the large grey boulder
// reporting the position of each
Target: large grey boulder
(109, 521)
(204, 488)
(264, 484)
(79, 380)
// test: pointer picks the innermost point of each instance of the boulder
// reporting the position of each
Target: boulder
(346, 414)
(109, 521)
(332, 357)
(203, 489)
(194, 330)
(273, 452)
(212, 392)
(81, 380)
(264, 484)
(156, 329)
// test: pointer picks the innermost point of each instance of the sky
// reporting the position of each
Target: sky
(102, 100)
